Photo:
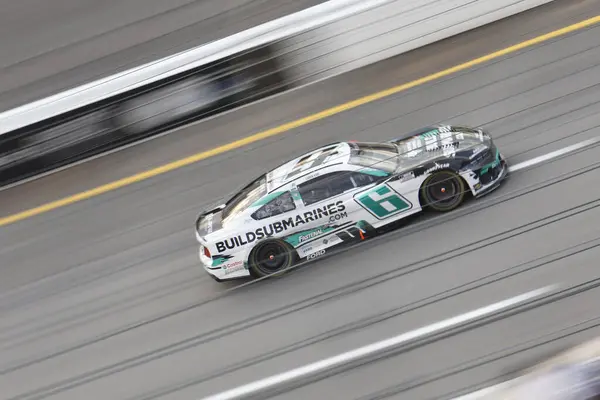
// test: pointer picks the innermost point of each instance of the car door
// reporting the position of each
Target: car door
(393, 199)
(328, 202)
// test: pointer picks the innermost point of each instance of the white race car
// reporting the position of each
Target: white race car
(343, 193)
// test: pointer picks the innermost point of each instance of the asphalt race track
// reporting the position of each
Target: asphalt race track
(104, 299)
(48, 46)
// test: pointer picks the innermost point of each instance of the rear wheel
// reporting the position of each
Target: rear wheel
(271, 257)
(443, 191)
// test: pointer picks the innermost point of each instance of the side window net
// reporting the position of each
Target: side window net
(360, 179)
(333, 184)
(279, 205)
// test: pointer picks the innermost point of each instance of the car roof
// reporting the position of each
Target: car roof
(325, 156)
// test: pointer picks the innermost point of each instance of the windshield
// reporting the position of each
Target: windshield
(411, 147)
(374, 155)
(244, 198)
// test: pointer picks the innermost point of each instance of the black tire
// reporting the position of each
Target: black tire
(271, 258)
(443, 191)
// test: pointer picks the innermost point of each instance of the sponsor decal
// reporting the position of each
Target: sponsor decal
(274, 228)
(407, 177)
(383, 202)
(440, 138)
(337, 217)
(441, 129)
(311, 235)
(294, 239)
(432, 133)
(493, 164)
(449, 145)
(437, 166)
(315, 254)
(233, 267)
(450, 150)
(219, 259)
(312, 176)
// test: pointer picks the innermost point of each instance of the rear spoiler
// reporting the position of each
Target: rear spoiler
(214, 210)
(202, 215)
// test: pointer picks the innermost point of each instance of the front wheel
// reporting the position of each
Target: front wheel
(271, 257)
(443, 191)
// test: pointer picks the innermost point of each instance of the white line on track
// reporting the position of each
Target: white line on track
(553, 154)
(482, 393)
(348, 357)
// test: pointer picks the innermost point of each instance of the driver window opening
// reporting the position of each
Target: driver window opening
(279, 205)
(333, 184)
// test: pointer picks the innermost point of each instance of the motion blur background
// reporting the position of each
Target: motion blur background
(102, 295)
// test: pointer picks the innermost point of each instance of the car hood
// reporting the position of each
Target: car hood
(464, 147)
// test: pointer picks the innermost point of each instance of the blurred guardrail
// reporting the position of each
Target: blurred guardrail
(314, 44)
(573, 373)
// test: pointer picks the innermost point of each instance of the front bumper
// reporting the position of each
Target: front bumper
(494, 178)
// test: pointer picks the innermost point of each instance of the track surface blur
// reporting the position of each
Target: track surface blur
(105, 298)
(49, 46)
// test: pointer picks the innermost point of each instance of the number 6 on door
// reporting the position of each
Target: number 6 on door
(383, 202)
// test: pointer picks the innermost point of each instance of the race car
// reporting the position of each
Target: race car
(341, 194)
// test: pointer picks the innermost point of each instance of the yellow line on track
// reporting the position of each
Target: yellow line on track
(291, 125)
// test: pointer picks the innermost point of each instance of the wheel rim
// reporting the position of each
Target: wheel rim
(271, 257)
(442, 189)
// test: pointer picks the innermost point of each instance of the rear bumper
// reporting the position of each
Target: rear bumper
(230, 269)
